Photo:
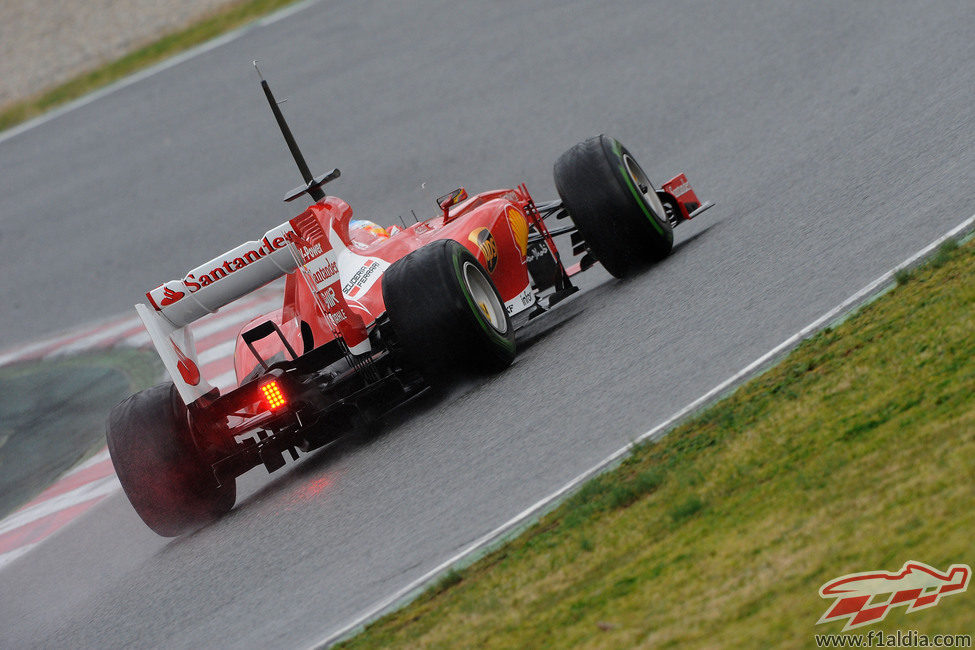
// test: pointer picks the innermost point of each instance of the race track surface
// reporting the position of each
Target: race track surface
(836, 138)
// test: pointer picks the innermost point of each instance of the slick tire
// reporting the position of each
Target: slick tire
(614, 205)
(162, 472)
(446, 313)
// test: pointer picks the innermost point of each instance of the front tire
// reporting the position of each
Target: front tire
(613, 204)
(446, 313)
(164, 475)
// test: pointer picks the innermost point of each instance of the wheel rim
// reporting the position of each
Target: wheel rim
(485, 297)
(643, 185)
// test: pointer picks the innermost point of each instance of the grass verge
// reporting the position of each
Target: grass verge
(211, 26)
(853, 454)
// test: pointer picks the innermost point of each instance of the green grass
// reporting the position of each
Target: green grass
(200, 31)
(853, 454)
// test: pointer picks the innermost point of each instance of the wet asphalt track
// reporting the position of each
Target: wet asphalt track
(836, 137)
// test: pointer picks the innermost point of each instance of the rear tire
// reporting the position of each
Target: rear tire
(446, 313)
(613, 204)
(164, 475)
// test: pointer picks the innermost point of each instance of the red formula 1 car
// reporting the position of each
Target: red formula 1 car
(370, 319)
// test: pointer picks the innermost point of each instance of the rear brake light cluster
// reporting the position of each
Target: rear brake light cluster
(273, 396)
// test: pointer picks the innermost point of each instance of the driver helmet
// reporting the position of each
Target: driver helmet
(366, 232)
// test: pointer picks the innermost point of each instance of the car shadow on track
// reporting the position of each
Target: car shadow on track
(684, 243)
(547, 323)
(320, 461)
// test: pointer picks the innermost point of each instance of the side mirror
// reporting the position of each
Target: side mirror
(447, 200)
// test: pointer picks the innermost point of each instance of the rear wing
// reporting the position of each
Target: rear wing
(308, 243)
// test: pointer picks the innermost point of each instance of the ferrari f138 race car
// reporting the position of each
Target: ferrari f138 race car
(370, 319)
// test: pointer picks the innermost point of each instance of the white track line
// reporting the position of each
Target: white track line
(138, 340)
(26, 351)
(238, 318)
(213, 324)
(107, 485)
(226, 380)
(95, 489)
(148, 72)
(10, 556)
(100, 457)
(96, 337)
(56, 341)
(87, 492)
(403, 595)
(217, 352)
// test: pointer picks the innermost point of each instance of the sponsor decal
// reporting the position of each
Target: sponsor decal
(317, 260)
(681, 190)
(329, 297)
(536, 252)
(194, 282)
(333, 306)
(521, 302)
(319, 267)
(187, 369)
(866, 598)
(363, 278)
(170, 296)
(485, 241)
(519, 228)
(311, 252)
(325, 273)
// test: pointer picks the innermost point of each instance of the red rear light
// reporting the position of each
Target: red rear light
(273, 396)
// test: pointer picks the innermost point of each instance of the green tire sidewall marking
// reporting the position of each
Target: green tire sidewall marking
(492, 333)
(636, 195)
